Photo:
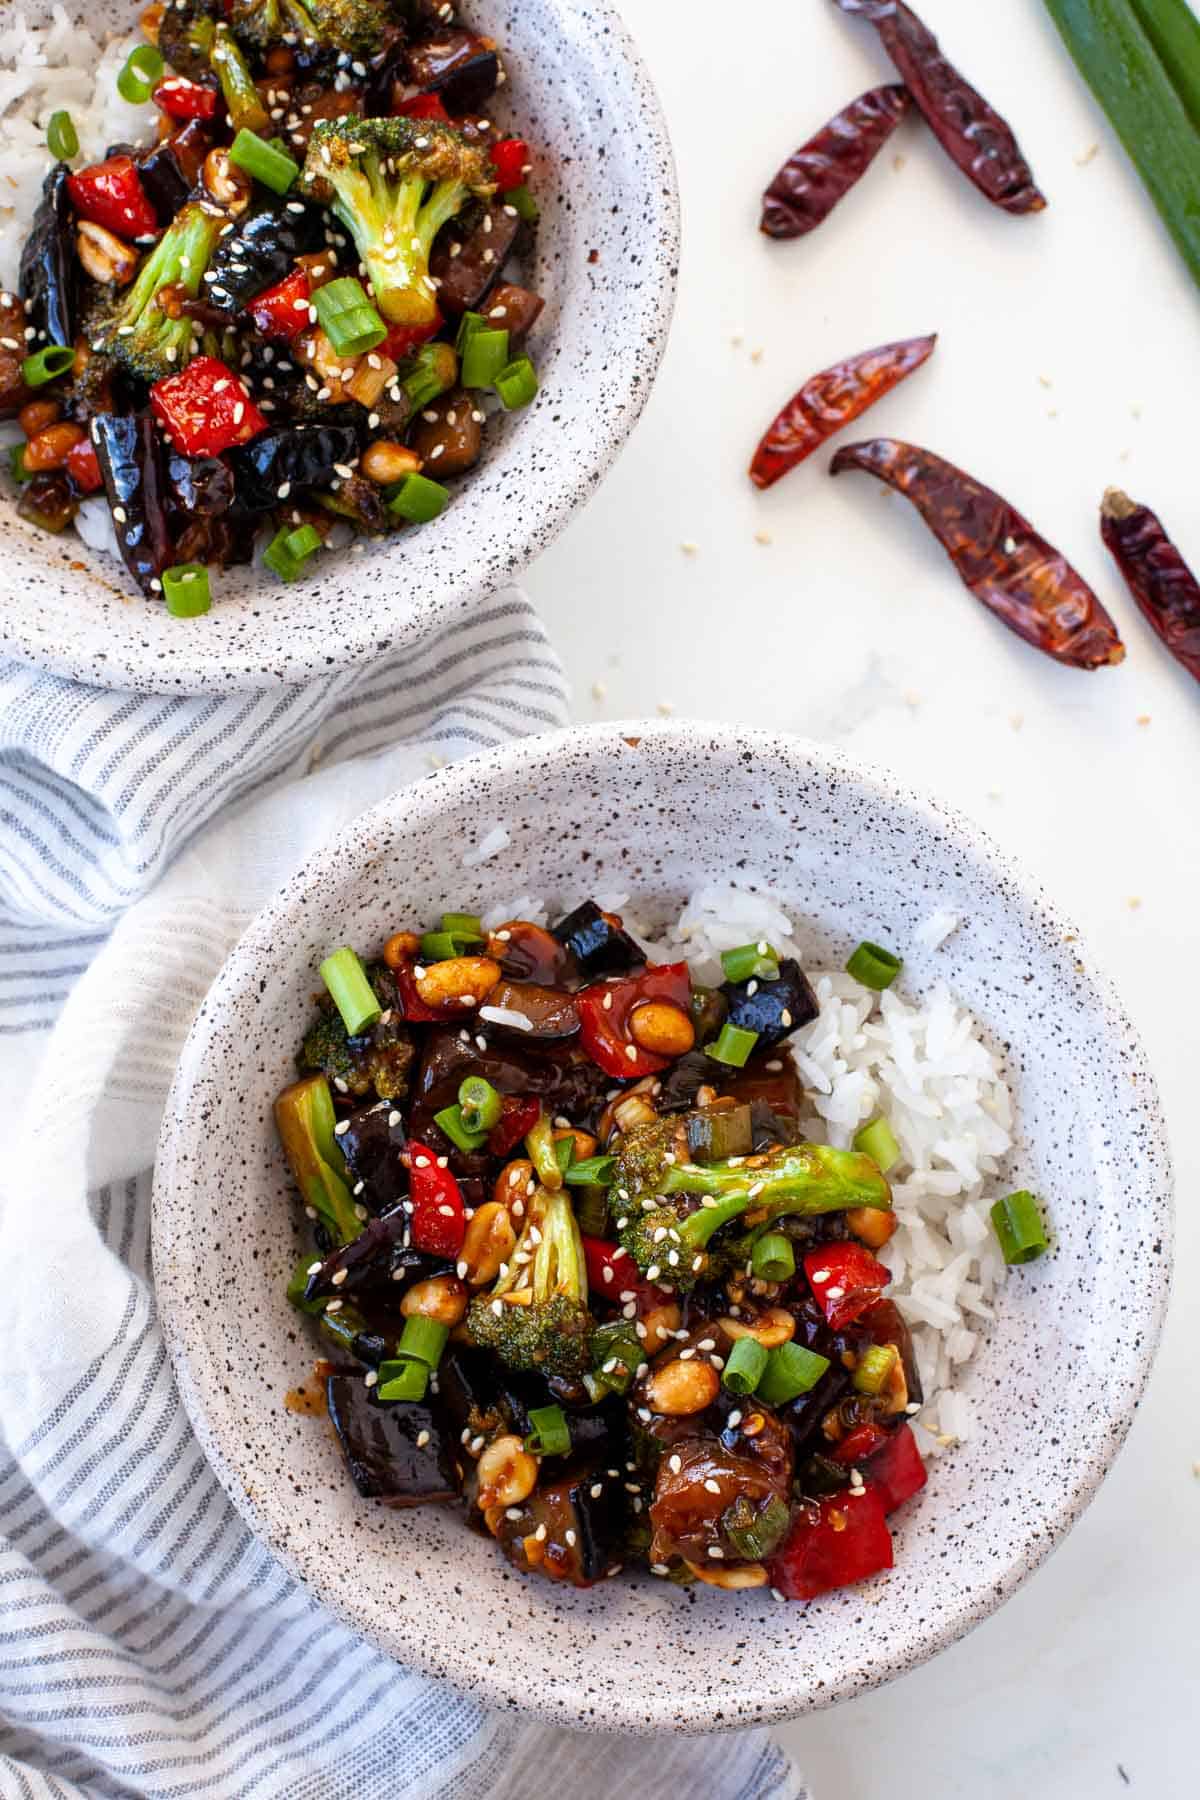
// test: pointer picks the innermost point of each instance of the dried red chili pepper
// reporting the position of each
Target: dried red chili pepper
(830, 400)
(1165, 589)
(1025, 581)
(815, 177)
(971, 133)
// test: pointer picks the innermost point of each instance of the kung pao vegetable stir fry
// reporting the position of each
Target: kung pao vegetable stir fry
(285, 314)
(575, 1266)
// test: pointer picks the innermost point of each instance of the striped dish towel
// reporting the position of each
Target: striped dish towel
(149, 1646)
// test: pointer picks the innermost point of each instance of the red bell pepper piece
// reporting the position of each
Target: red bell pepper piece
(181, 99)
(611, 1271)
(510, 159)
(517, 1120)
(439, 1221)
(845, 1279)
(604, 1018)
(858, 1445)
(83, 467)
(411, 1003)
(111, 194)
(423, 106)
(402, 340)
(282, 311)
(895, 1469)
(848, 1541)
(206, 408)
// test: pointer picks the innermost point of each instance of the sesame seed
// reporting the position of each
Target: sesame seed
(716, 1552)
(339, 1276)
(713, 1487)
(734, 1420)
(341, 1128)
(540, 1534)
(422, 1439)
(314, 1268)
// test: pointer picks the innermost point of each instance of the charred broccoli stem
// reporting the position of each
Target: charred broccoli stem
(536, 1316)
(304, 1119)
(394, 183)
(671, 1244)
(242, 98)
(137, 327)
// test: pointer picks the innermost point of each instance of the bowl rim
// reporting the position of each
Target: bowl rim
(662, 1712)
(211, 661)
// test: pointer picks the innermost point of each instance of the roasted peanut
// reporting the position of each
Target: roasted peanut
(150, 22)
(400, 949)
(871, 1225)
(279, 60)
(105, 257)
(585, 1143)
(678, 1388)
(896, 1387)
(443, 1298)
(489, 1241)
(661, 1028)
(459, 981)
(774, 1327)
(661, 1322)
(229, 186)
(49, 448)
(384, 461)
(747, 1575)
(511, 1188)
(507, 1473)
(35, 416)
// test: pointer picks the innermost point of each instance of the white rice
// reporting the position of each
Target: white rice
(920, 1062)
(46, 69)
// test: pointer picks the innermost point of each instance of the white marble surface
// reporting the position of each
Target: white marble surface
(1069, 359)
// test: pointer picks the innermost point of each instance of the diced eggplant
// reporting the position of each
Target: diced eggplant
(773, 1009)
(466, 275)
(380, 1444)
(129, 451)
(551, 1012)
(583, 1528)
(260, 250)
(469, 1391)
(315, 101)
(562, 1076)
(222, 541)
(767, 1129)
(371, 1144)
(597, 941)
(513, 309)
(202, 485)
(13, 392)
(715, 1132)
(530, 953)
(48, 501)
(709, 1010)
(170, 169)
(347, 1330)
(698, 1485)
(360, 501)
(303, 456)
(49, 266)
(458, 65)
(683, 1081)
(447, 436)
(376, 1261)
(776, 1088)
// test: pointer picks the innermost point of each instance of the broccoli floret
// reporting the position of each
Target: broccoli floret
(394, 183)
(350, 25)
(536, 1316)
(185, 36)
(670, 1242)
(151, 338)
(378, 1060)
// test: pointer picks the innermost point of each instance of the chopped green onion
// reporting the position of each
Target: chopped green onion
(463, 925)
(264, 162)
(347, 317)
(468, 325)
(481, 1105)
(434, 370)
(591, 1208)
(422, 1340)
(16, 463)
(744, 1366)
(617, 1355)
(878, 1141)
(441, 946)
(756, 1531)
(1017, 1221)
(874, 1368)
(543, 1153)
(592, 1171)
(403, 1380)
(290, 549)
(186, 590)
(874, 966)
(62, 139)
(483, 356)
(732, 1047)
(450, 1119)
(516, 383)
(350, 990)
(551, 1435)
(47, 365)
(418, 499)
(791, 1370)
(564, 1151)
(141, 70)
(201, 34)
(773, 1258)
(523, 201)
(299, 1282)
(751, 961)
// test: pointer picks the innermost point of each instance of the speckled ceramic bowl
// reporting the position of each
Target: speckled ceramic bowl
(1056, 1381)
(606, 264)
